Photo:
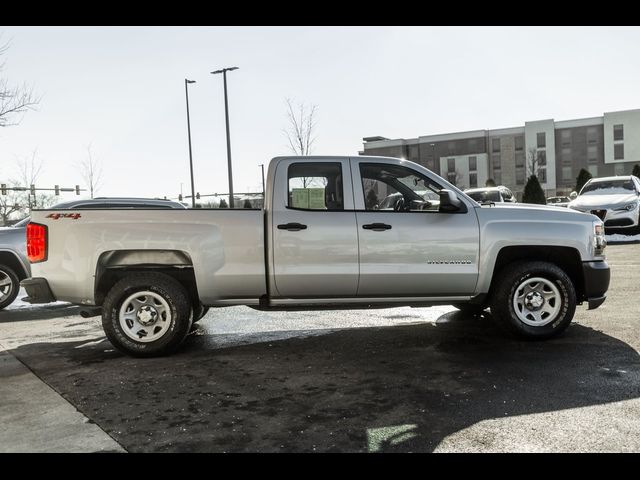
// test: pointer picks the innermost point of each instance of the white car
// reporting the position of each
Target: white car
(615, 200)
(497, 194)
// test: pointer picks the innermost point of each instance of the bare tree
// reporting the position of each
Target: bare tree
(532, 161)
(91, 171)
(301, 129)
(302, 123)
(29, 169)
(11, 204)
(14, 99)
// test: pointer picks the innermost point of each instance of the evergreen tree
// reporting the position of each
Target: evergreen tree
(223, 203)
(490, 183)
(636, 170)
(583, 177)
(533, 192)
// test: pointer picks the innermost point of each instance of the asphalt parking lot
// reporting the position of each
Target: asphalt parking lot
(390, 380)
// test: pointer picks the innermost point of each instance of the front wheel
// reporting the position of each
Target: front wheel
(146, 314)
(534, 300)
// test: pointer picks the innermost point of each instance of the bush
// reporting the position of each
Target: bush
(583, 177)
(636, 170)
(533, 192)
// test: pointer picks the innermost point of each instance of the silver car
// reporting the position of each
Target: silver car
(497, 194)
(14, 265)
(615, 200)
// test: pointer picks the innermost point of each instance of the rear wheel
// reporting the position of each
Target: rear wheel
(534, 299)
(146, 314)
(9, 286)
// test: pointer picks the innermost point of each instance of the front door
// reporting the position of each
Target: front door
(407, 245)
(315, 241)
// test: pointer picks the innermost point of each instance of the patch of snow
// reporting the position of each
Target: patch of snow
(617, 237)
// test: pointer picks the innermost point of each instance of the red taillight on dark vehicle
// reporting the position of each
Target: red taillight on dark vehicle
(36, 242)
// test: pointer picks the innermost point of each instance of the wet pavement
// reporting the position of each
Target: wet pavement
(429, 379)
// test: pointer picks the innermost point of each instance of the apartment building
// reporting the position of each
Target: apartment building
(556, 150)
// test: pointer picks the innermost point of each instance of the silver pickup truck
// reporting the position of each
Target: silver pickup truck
(325, 239)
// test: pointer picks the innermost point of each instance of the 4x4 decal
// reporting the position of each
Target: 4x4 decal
(56, 216)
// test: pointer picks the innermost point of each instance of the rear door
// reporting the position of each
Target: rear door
(315, 241)
(407, 245)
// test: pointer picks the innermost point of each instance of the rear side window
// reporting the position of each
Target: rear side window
(315, 186)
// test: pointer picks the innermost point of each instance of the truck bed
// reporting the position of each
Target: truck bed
(224, 247)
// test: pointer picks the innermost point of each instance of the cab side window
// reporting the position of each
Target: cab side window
(315, 186)
(396, 188)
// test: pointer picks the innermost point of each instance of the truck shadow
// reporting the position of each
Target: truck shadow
(40, 312)
(402, 388)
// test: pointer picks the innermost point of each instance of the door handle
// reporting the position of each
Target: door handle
(292, 227)
(377, 227)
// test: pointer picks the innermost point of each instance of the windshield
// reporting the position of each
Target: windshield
(485, 196)
(608, 187)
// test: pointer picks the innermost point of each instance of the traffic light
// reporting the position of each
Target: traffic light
(57, 189)
(198, 195)
(180, 197)
(77, 189)
(33, 189)
(3, 187)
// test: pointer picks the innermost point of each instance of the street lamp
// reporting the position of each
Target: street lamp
(186, 92)
(224, 71)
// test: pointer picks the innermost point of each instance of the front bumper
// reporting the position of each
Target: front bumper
(38, 290)
(615, 218)
(596, 282)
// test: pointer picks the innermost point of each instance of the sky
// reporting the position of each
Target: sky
(121, 90)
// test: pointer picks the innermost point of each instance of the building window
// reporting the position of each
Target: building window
(566, 155)
(473, 180)
(593, 170)
(542, 140)
(592, 153)
(473, 164)
(451, 165)
(542, 158)
(495, 161)
(519, 159)
(566, 137)
(619, 169)
(542, 175)
(519, 142)
(497, 177)
(519, 176)
(567, 173)
(452, 148)
(473, 145)
(618, 151)
(495, 144)
(618, 132)
(451, 177)
(592, 135)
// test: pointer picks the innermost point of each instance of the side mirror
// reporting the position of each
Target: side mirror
(449, 202)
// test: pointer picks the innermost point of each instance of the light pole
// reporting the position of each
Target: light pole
(262, 167)
(224, 71)
(433, 156)
(193, 193)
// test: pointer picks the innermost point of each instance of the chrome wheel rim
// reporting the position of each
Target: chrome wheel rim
(145, 316)
(6, 286)
(537, 302)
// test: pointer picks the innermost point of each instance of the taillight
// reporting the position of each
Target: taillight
(36, 242)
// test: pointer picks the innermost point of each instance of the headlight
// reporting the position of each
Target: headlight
(628, 207)
(599, 240)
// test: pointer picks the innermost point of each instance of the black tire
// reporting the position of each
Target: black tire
(514, 276)
(469, 308)
(199, 311)
(8, 293)
(176, 328)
